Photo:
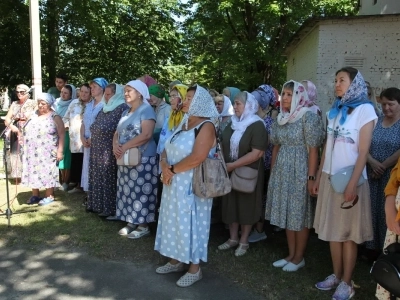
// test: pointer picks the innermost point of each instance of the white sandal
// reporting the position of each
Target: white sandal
(228, 244)
(170, 268)
(242, 249)
(137, 234)
(188, 279)
(127, 229)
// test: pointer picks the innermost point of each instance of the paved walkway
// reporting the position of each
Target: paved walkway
(58, 273)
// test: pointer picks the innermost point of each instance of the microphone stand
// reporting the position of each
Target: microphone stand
(8, 212)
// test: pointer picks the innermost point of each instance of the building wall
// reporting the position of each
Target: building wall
(372, 45)
(302, 61)
(377, 7)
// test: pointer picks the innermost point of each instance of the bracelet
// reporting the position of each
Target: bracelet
(172, 169)
(311, 177)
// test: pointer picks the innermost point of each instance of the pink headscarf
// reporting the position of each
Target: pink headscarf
(312, 95)
(148, 80)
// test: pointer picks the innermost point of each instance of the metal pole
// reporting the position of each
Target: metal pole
(35, 47)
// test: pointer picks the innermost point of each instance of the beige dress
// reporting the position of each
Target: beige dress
(381, 293)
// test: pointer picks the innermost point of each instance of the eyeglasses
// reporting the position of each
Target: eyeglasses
(345, 204)
(20, 92)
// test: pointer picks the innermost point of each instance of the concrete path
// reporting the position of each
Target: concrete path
(58, 273)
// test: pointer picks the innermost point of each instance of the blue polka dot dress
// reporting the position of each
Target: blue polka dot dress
(184, 223)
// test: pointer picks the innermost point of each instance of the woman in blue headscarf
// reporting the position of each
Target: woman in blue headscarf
(344, 219)
(102, 163)
(231, 93)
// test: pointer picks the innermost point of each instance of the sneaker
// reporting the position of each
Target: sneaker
(256, 236)
(343, 292)
(330, 282)
(75, 190)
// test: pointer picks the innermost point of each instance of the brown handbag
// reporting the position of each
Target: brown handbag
(244, 179)
(210, 178)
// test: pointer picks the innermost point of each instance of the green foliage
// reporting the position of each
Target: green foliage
(241, 43)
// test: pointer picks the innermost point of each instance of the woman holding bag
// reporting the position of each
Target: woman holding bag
(136, 185)
(344, 219)
(243, 144)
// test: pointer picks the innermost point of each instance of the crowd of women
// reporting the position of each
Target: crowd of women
(281, 137)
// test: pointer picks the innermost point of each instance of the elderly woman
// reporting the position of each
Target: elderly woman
(225, 110)
(312, 95)
(383, 155)
(184, 224)
(161, 108)
(266, 98)
(296, 137)
(344, 219)
(231, 93)
(43, 148)
(137, 185)
(73, 122)
(148, 80)
(243, 144)
(68, 93)
(16, 117)
(102, 163)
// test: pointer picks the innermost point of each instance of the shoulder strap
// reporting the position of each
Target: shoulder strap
(198, 127)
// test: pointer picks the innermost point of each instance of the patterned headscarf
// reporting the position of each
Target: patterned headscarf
(299, 106)
(46, 97)
(232, 93)
(157, 91)
(265, 96)
(312, 94)
(240, 124)
(141, 88)
(101, 82)
(355, 95)
(202, 105)
(176, 115)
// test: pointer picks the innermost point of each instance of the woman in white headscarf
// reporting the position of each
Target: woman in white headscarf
(136, 186)
(225, 110)
(296, 136)
(243, 144)
(184, 222)
(43, 148)
(68, 93)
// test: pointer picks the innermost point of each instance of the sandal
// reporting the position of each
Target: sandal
(242, 249)
(33, 200)
(127, 229)
(137, 234)
(46, 201)
(228, 245)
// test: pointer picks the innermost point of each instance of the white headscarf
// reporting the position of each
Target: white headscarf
(116, 100)
(239, 125)
(142, 88)
(202, 105)
(227, 111)
(299, 106)
(46, 97)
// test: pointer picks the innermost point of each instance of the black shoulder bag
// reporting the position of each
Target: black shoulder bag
(386, 269)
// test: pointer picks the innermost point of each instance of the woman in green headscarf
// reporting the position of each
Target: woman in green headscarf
(162, 109)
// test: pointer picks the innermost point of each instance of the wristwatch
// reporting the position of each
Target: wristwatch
(311, 178)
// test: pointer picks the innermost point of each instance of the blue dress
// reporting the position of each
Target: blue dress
(184, 223)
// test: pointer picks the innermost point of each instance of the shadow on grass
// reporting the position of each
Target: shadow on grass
(65, 225)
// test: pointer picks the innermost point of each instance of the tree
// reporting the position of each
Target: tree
(241, 43)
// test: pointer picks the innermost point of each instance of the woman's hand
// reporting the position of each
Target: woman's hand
(166, 175)
(392, 224)
(118, 150)
(315, 187)
(310, 187)
(86, 142)
(350, 192)
(377, 167)
(60, 155)
(230, 167)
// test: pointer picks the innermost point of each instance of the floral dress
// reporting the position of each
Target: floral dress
(103, 165)
(40, 152)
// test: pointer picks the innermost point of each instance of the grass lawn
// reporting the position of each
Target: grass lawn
(66, 223)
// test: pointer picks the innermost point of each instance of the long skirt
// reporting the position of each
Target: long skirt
(65, 164)
(334, 224)
(137, 192)
(85, 169)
